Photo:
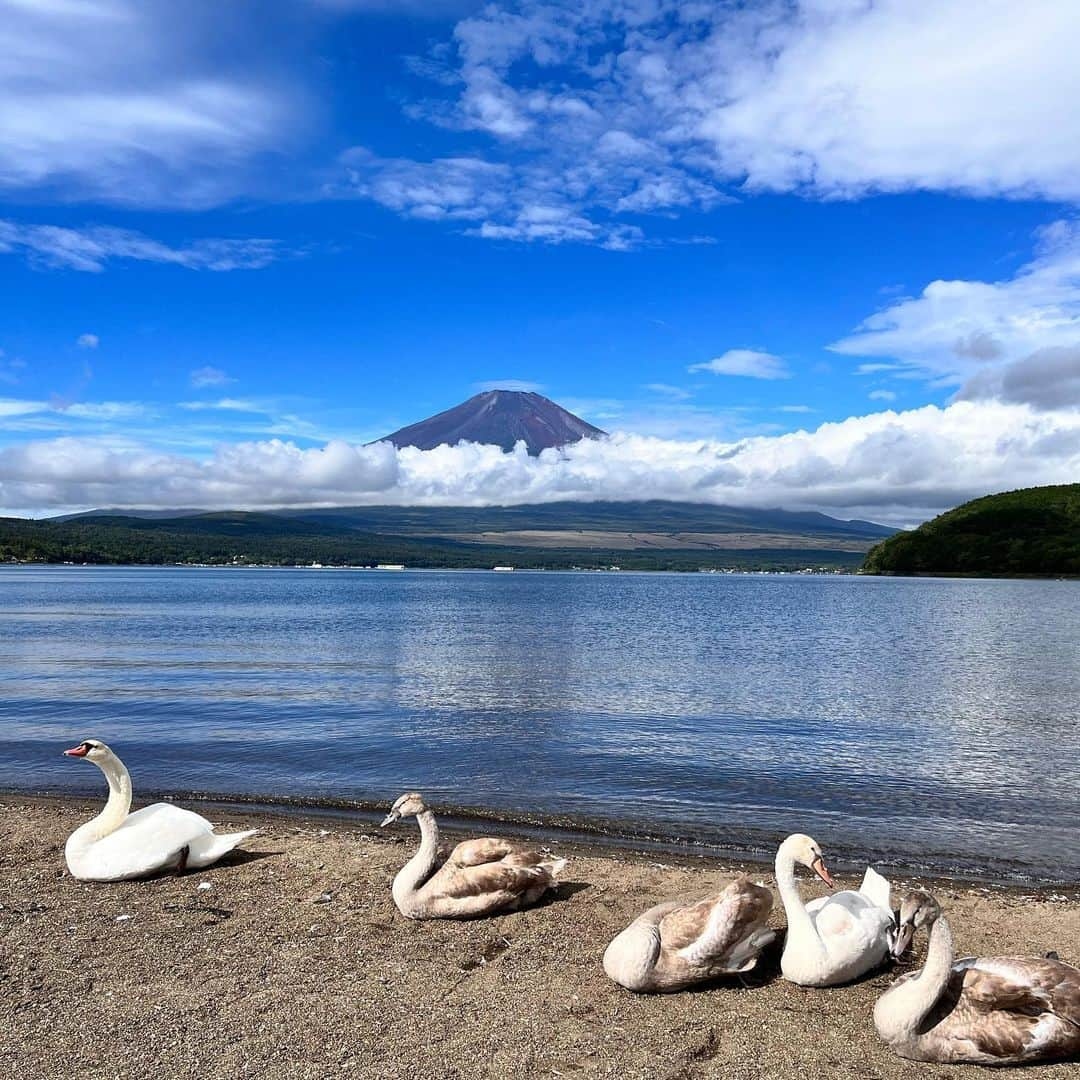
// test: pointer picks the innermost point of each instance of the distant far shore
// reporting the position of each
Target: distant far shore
(734, 571)
(819, 570)
(290, 961)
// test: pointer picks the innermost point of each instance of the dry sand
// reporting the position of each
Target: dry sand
(294, 963)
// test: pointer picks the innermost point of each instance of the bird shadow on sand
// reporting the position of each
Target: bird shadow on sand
(764, 972)
(562, 892)
(235, 858)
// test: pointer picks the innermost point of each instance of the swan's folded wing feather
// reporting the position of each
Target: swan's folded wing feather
(500, 877)
(1006, 1008)
(876, 889)
(686, 923)
(834, 919)
(1025, 984)
(487, 849)
(714, 926)
(167, 822)
(720, 920)
(525, 858)
(149, 840)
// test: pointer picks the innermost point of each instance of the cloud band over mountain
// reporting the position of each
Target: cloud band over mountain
(897, 468)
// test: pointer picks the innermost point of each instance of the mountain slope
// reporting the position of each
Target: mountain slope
(654, 515)
(568, 526)
(261, 539)
(500, 418)
(1031, 531)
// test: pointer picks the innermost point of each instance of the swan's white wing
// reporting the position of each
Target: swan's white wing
(842, 911)
(149, 840)
(854, 931)
(835, 919)
(874, 918)
(876, 889)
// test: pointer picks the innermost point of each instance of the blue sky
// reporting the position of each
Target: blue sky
(818, 254)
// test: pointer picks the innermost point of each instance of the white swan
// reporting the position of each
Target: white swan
(480, 877)
(997, 1010)
(836, 938)
(117, 846)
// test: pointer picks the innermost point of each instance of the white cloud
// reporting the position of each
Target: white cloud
(796, 409)
(746, 362)
(894, 467)
(213, 377)
(876, 369)
(610, 109)
(1047, 379)
(102, 410)
(209, 376)
(93, 247)
(88, 341)
(78, 410)
(458, 188)
(134, 101)
(882, 395)
(17, 407)
(956, 331)
(492, 200)
(826, 101)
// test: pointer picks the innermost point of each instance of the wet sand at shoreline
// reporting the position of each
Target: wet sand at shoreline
(295, 963)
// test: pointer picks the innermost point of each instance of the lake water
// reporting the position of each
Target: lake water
(929, 722)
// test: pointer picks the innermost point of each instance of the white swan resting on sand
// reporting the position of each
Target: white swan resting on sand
(997, 1010)
(116, 845)
(836, 938)
(681, 943)
(480, 877)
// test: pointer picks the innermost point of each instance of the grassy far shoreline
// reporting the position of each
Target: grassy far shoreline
(1030, 533)
(644, 537)
(421, 555)
(205, 974)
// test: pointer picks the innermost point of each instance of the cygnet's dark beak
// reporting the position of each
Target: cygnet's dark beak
(902, 940)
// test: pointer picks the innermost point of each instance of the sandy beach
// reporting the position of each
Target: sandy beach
(290, 960)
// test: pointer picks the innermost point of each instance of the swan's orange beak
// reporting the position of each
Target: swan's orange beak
(77, 751)
(822, 872)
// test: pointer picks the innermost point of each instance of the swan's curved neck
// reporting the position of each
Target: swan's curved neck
(801, 930)
(901, 1010)
(418, 869)
(119, 803)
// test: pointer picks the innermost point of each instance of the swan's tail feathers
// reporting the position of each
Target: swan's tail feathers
(554, 867)
(211, 847)
(877, 889)
(744, 956)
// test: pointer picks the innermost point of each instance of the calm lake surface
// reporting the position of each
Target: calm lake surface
(932, 723)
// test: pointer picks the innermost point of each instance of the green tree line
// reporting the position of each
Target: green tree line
(1030, 532)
